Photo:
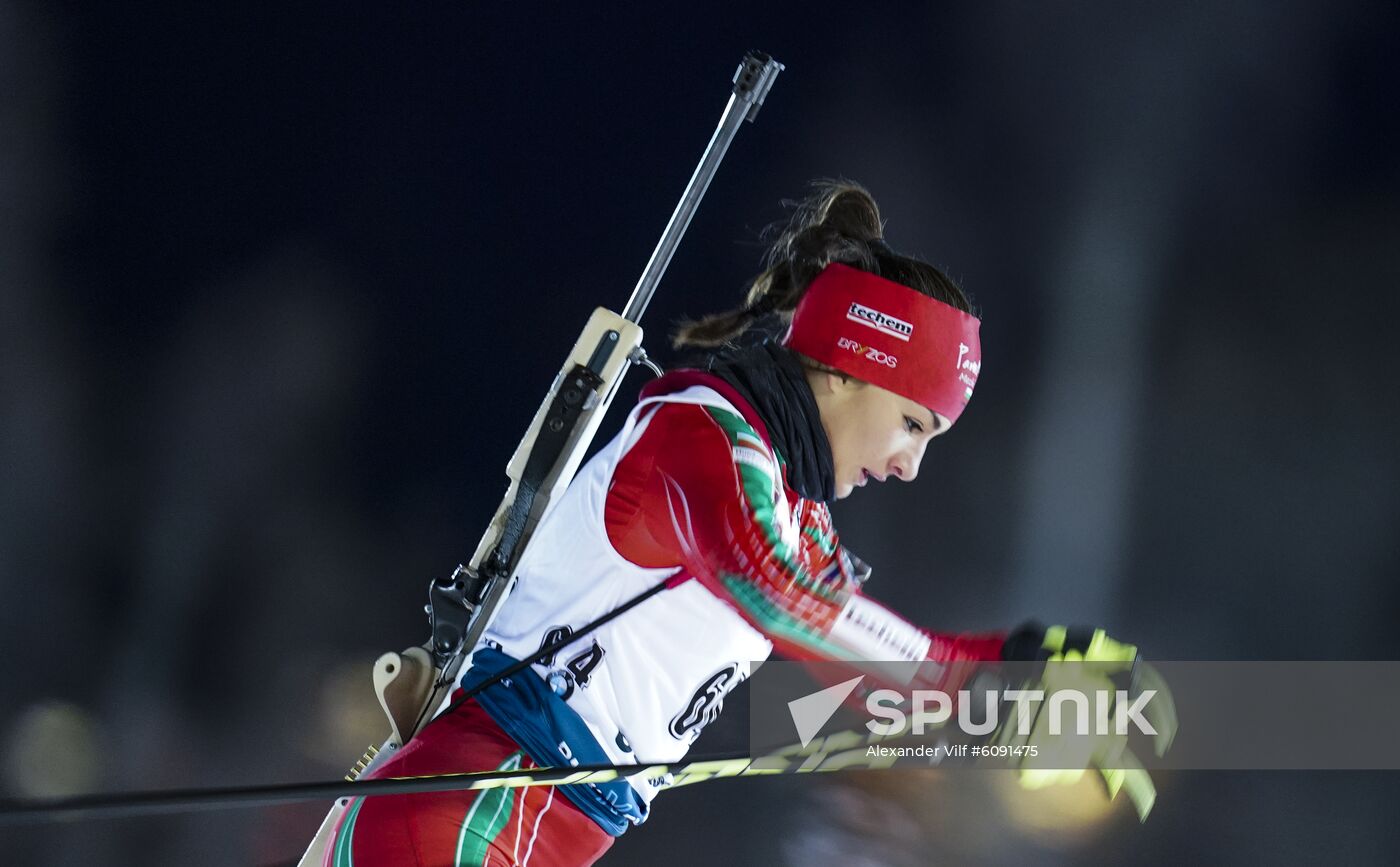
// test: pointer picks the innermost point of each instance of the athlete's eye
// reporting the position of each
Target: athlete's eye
(913, 425)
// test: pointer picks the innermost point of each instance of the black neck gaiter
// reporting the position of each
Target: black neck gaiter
(774, 383)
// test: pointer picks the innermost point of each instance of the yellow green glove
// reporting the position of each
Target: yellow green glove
(1063, 759)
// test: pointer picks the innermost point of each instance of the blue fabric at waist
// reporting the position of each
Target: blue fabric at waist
(554, 735)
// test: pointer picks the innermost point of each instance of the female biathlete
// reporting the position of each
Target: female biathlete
(718, 485)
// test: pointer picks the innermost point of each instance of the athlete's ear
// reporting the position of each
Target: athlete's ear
(830, 381)
(820, 381)
(838, 382)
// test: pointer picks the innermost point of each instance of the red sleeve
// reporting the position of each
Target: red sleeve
(702, 491)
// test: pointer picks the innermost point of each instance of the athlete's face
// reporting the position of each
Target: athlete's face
(874, 434)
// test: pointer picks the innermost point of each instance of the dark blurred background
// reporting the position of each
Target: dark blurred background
(280, 289)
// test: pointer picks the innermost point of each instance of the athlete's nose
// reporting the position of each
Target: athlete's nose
(905, 465)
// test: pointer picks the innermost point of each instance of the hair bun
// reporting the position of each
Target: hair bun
(849, 209)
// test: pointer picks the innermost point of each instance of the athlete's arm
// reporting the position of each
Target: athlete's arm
(698, 491)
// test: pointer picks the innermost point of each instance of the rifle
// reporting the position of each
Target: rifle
(461, 606)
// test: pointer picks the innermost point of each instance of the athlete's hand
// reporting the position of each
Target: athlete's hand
(1064, 758)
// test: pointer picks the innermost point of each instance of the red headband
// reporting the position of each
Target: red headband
(890, 335)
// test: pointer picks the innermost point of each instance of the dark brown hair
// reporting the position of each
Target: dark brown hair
(838, 222)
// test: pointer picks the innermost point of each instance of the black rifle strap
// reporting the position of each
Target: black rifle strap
(554, 647)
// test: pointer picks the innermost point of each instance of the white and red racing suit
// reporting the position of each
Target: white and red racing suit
(690, 492)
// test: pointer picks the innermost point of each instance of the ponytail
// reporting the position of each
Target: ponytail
(838, 222)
